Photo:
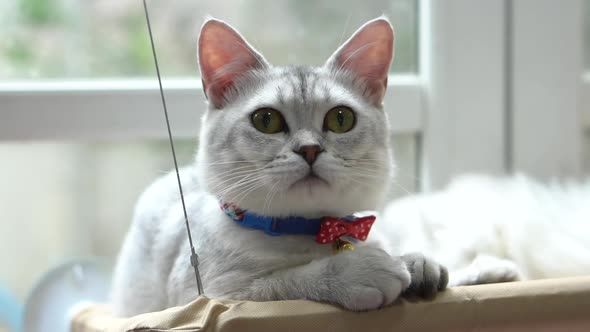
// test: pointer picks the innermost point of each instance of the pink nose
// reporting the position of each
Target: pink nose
(309, 153)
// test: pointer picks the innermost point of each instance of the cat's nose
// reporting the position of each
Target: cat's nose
(309, 153)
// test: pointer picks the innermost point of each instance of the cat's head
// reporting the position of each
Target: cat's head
(296, 140)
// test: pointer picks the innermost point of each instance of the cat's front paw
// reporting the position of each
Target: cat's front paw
(428, 277)
(366, 279)
(486, 269)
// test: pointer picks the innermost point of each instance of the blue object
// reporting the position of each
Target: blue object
(59, 290)
(274, 226)
(277, 226)
(10, 310)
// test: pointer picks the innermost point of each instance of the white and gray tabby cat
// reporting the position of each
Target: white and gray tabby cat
(286, 144)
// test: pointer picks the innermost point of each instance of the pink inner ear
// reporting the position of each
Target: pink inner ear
(224, 56)
(368, 54)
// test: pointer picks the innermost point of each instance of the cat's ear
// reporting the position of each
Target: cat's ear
(224, 55)
(367, 55)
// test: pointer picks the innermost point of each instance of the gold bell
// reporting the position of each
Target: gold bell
(341, 245)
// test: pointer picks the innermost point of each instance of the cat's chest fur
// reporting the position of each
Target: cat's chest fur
(230, 254)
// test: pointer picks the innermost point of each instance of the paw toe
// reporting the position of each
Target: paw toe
(365, 298)
(428, 277)
(444, 278)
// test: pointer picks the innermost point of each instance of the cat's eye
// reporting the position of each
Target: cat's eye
(268, 120)
(339, 119)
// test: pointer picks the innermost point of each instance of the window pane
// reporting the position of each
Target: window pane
(61, 38)
(60, 200)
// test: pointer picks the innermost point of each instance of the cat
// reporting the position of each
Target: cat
(277, 142)
(487, 229)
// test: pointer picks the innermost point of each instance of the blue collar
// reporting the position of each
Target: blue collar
(277, 226)
(274, 226)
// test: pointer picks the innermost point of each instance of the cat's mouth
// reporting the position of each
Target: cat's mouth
(310, 180)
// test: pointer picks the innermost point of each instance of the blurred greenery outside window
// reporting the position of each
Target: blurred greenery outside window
(108, 38)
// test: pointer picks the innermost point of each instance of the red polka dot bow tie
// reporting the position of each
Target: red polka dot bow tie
(332, 229)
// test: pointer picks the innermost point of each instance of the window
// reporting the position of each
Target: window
(81, 127)
(474, 87)
(65, 39)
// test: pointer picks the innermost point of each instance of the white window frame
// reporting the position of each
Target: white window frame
(129, 109)
(462, 57)
(529, 112)
(550, 95)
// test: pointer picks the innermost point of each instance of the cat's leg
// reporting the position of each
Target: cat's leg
(140, 271)
(135, 287)
(364, 279)
(486, 269)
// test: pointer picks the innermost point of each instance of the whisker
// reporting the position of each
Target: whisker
(262, 154)
(237, 176)
(238, 171)
(232, 162)
(234, 170)
(364, 176)
(363, 159)
(362, 169)
(403, 188)
(244, 181)
(269, 194)
(357, 181)
(233, 187)
(246, 192)
(344, 30)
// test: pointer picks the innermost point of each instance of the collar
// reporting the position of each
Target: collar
(327, 229)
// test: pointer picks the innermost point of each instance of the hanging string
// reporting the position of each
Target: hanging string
(194, 258)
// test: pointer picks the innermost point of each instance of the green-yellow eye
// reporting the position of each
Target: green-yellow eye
(339, 119)
(268, 120)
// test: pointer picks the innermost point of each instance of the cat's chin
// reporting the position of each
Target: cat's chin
(319, 201)
(311, 183)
